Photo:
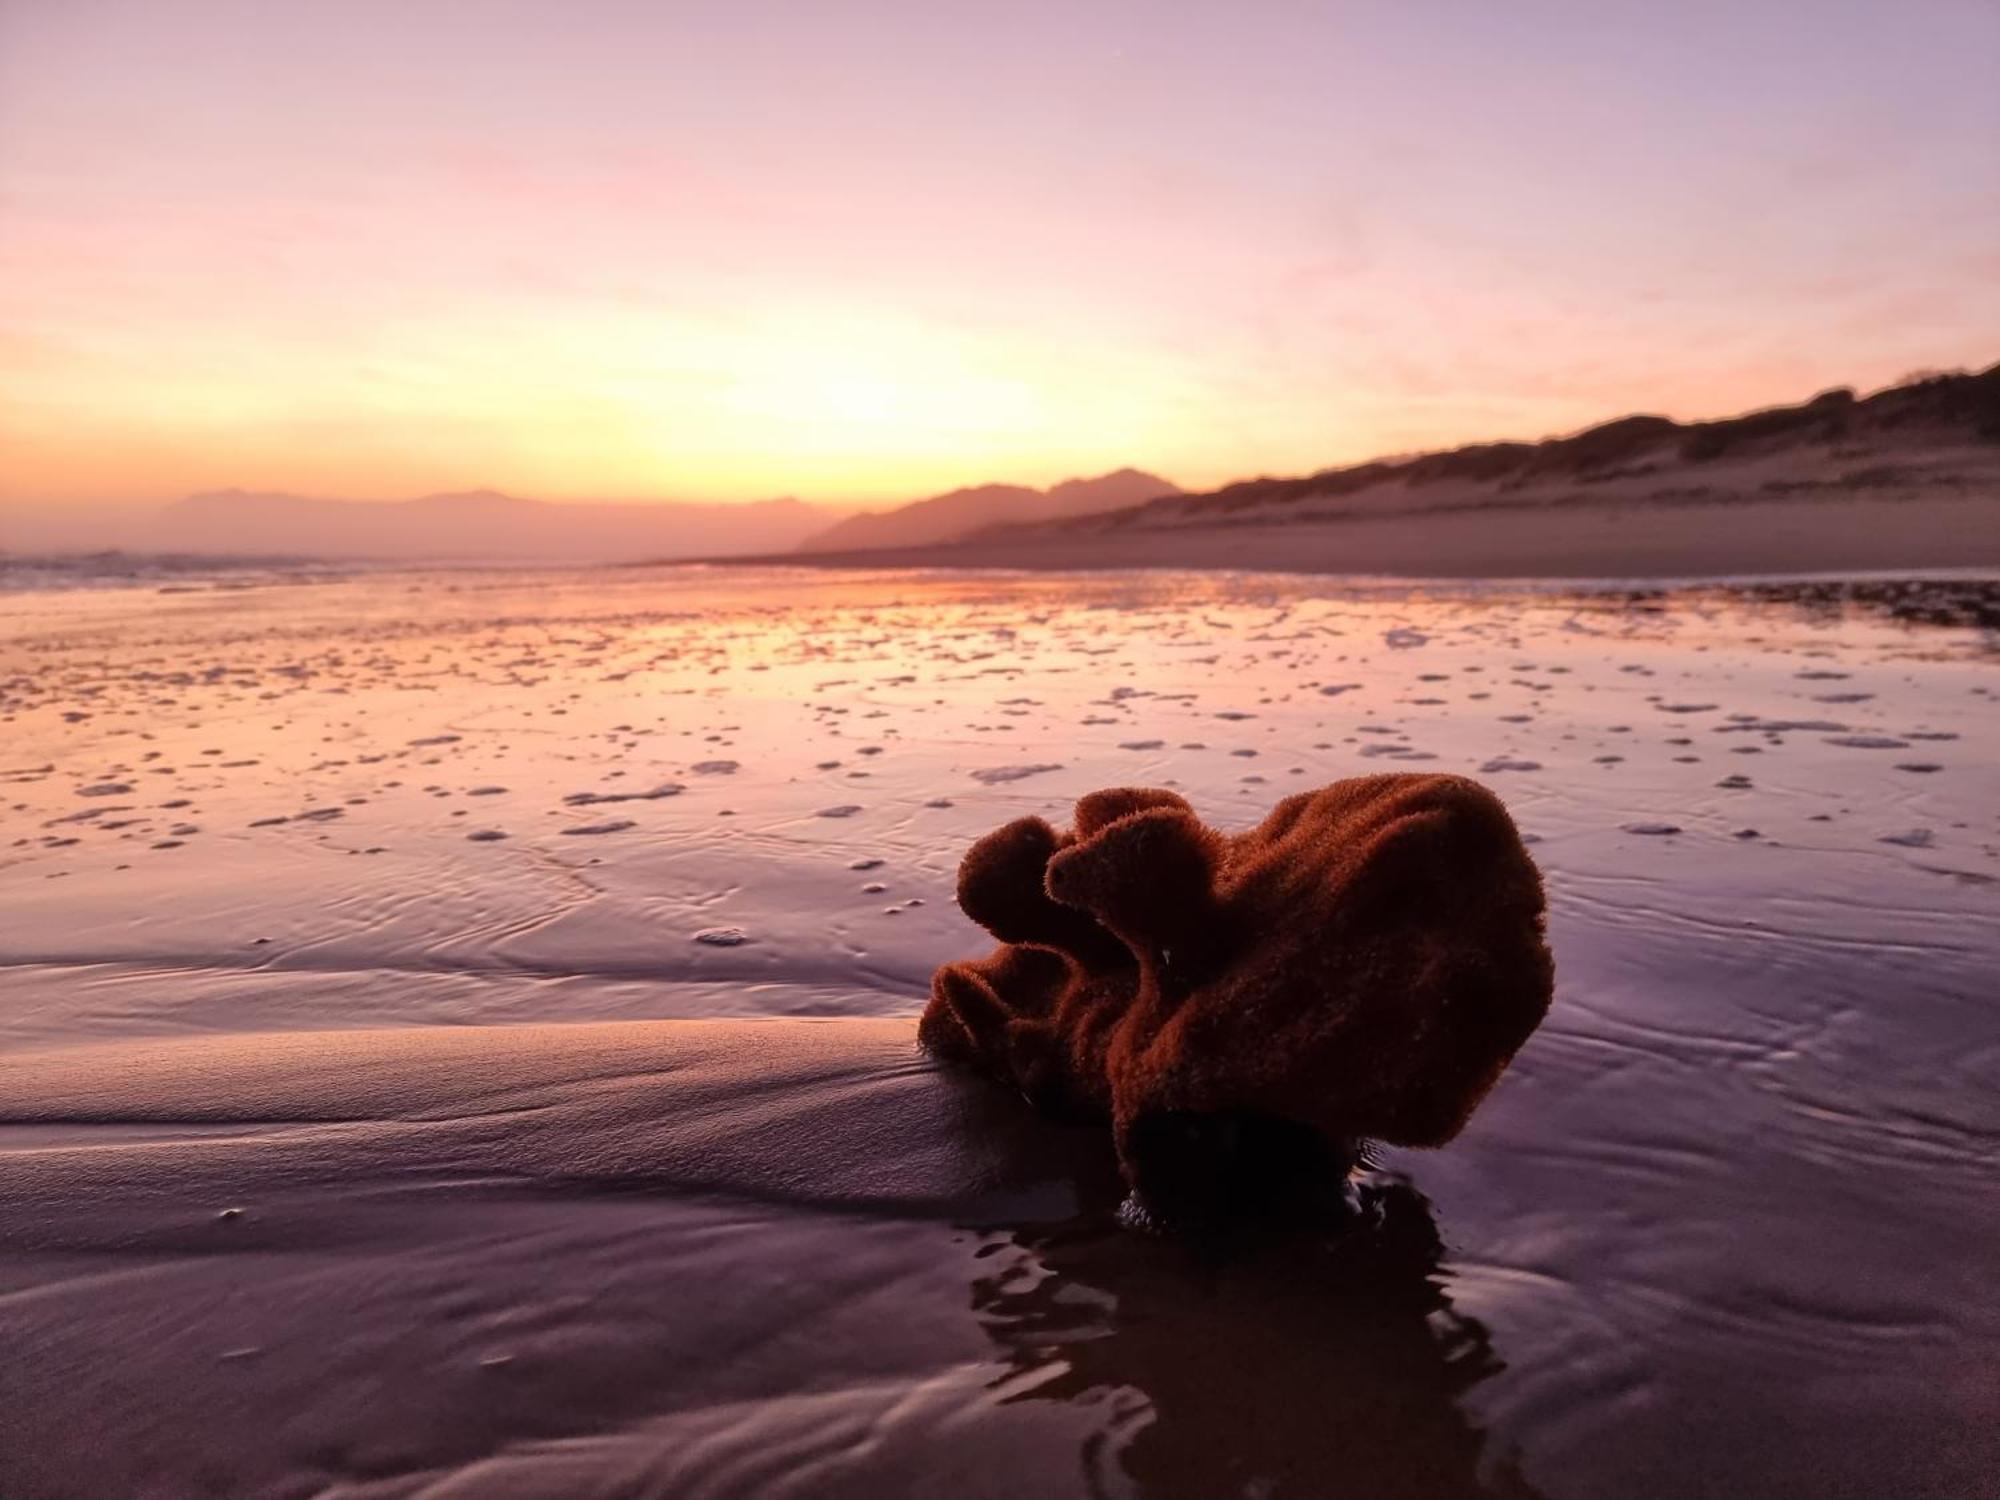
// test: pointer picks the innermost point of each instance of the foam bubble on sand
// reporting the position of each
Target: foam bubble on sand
(1751, 723)
(994, 775)
(594, 799)
(1915, 838)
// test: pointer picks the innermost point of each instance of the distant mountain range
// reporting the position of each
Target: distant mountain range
(952, 516)
(489, 526)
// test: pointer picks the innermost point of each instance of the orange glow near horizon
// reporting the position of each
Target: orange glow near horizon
(820, 405)
(841, 252)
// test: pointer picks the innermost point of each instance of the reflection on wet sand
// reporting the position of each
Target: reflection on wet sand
(1729, 1215)
(1295, 1369)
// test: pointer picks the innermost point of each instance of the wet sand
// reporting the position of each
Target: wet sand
(285, 1209)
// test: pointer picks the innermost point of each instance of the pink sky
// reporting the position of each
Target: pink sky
(866, 251)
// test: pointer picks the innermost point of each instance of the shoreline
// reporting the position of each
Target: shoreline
(1602, 545)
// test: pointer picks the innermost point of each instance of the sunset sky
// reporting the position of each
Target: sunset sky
(864, 251)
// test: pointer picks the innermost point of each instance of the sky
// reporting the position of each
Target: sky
(859, 252)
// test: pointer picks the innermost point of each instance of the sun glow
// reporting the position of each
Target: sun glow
(614, 402)
(681, 252)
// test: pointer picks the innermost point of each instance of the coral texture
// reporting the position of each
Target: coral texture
(1361, 965)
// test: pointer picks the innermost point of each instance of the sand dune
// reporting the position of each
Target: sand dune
(1866, 534)
(1906, 478)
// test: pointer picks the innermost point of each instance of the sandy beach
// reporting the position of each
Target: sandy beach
(459, 1041)
(903, 751)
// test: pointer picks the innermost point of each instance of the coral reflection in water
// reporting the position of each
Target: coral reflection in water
(1301, 1367)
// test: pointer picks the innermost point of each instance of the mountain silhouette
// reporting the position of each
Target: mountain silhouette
(948, 517)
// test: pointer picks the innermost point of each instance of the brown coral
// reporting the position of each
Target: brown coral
(1361, 965)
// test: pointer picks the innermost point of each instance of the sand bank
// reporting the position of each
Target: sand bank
(542, 1260)
(753, 1259)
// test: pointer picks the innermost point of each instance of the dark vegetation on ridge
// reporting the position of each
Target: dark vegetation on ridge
(1966, 406)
